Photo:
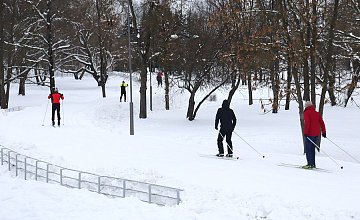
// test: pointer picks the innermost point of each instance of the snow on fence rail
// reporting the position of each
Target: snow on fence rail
(39, 170)
(15, 109)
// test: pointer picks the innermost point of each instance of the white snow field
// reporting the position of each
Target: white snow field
(169, 150)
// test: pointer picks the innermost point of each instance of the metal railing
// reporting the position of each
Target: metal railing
(14, 109)
(38, 170)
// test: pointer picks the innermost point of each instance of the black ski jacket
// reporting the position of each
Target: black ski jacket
(226, 117)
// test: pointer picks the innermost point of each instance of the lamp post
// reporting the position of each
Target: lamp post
(130, 71)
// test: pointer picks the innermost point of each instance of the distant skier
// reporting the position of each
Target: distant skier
(227, 118)
(55, 100)
(123, 86)
(159, 79)
(313, 127)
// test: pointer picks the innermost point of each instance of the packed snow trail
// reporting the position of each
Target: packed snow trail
(165, 150)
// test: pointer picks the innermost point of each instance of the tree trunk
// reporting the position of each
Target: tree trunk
(9, 61)
(329, 53)
(249, 88)
(191, 107)
(102, 70)
(300, 102)
(103, 77)
(236, 84)
(103, 90)
(292, 66)
(313, 53)
(143, 79)
(22, 86)
(82, 74)
(306, 78)
(288, 86)
(167, 90)
(3, 103)
(275, 86)
(7, 80)
(22, 81)
(50, 49)
(331, 89)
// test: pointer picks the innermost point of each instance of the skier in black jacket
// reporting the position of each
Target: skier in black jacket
(227, 120)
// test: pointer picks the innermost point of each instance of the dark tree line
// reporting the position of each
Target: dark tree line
(302, 50)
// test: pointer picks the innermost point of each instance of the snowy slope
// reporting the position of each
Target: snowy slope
(167, 149)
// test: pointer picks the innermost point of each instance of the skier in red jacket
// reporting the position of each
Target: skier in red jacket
(313, 127)
(55, 100)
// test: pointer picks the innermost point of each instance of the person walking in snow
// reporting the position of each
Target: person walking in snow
(313, 127)
(159, 79)
(227, 119)
(123, 86)
(55, 97)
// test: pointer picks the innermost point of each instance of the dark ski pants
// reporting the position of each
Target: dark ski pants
(227, 135)
(123, 94)
(55, 107)
(310, 149)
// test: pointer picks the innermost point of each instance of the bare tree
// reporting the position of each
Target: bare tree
(3, 101)
(328, 57)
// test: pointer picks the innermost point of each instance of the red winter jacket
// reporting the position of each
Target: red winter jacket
(55, 97)
(313, 122)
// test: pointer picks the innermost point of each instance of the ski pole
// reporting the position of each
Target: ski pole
(324, 153)
(344, 150)
(249, 145)
(229, 146)
(62, 103)
(47, 106)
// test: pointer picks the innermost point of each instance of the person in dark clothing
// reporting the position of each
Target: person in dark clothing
(55, 100)
(313, 127)
(227, 119)
(123, 86)
(159, 79)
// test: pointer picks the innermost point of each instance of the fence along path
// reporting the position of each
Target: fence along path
(38, 170)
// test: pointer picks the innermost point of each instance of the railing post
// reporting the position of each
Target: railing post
(99, 179)
(178, 197)
(9, 164)
(61, 174)
(2, 156)
(47, 172)
(25, 168)
(16, 164)
(79, 180)
(124, 188)
(36, 169)
(149, 193)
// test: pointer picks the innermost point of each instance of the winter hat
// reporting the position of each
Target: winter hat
(308, 103)
(56, 90)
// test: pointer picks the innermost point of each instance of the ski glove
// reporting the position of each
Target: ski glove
(324, 135)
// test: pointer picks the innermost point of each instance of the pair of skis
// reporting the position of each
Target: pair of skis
(224, 157)
(302, 167)
(281, 164)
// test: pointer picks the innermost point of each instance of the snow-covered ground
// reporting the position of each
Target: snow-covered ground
(168, 149)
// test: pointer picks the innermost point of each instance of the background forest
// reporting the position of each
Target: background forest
(301, 49)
